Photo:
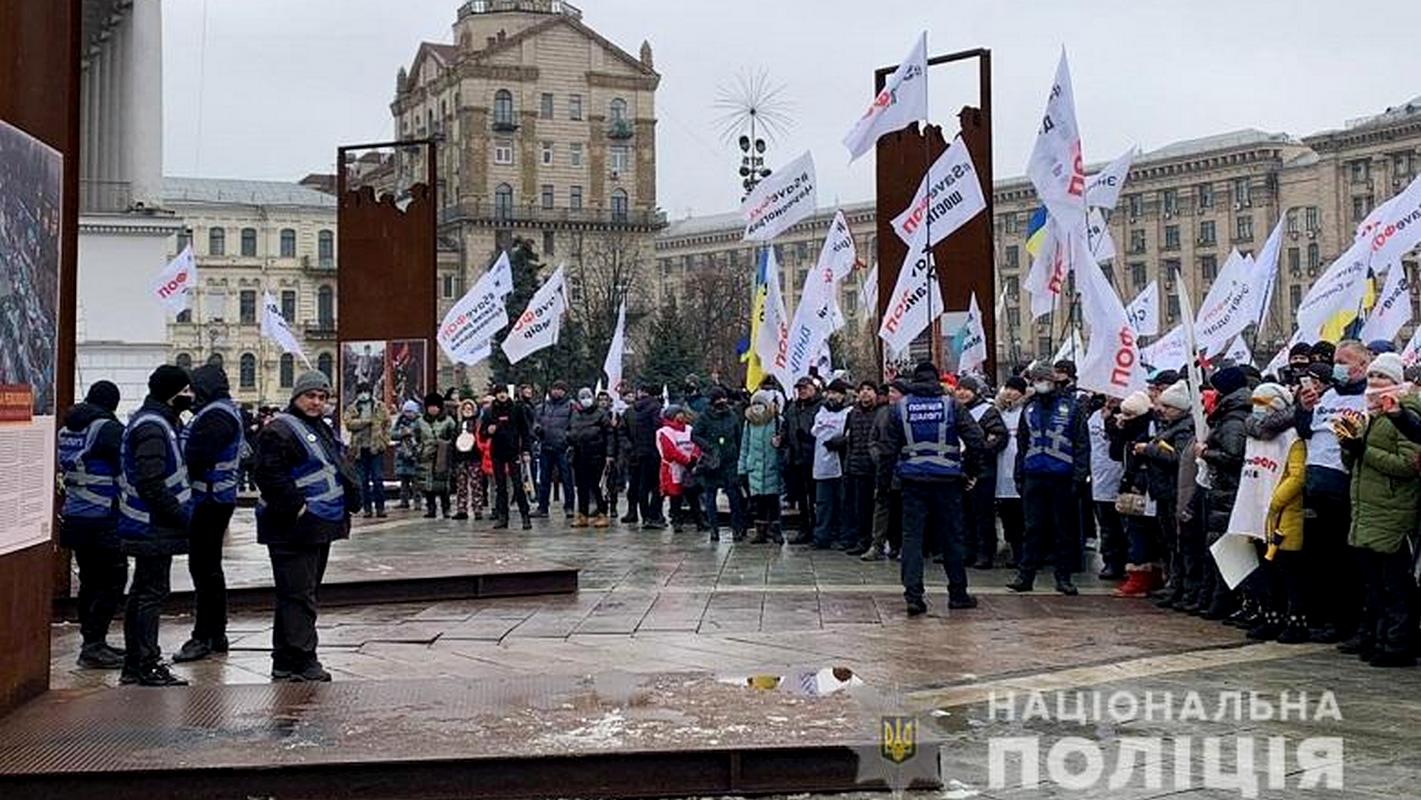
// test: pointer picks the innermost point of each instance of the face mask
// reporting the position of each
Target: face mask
(1044, 387)
(182, 402)
(363, 397)
(1259, 412)
(587, 403)
(1341, 374)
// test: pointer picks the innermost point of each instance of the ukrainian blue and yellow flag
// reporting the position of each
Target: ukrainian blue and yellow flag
(754, 373)
(1035, 231)
(1347, 323)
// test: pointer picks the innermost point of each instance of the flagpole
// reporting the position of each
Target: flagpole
(934, 336)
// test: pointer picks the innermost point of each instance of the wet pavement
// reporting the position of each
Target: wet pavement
(662, 604)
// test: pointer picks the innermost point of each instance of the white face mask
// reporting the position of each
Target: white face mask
(587, 403)
(1044, 387)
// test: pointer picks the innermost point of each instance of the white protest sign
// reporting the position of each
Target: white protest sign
(781, 200)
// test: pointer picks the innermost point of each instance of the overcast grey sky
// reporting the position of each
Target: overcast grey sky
(273, 86)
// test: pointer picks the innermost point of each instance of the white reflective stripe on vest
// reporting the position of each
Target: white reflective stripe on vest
(940, 452)
(326, 474)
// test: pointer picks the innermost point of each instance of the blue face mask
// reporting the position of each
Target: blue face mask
(1340, 373)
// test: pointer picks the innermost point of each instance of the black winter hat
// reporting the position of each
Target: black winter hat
(1016, 382)
(103, 394)
(1165, 378)
(1229, 380)
(926, 371)
(1300, 350)
(434, 399)
(1323, 351)
(166, 381)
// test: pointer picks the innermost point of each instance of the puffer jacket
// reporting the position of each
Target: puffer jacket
(1162, 456)
(858, 457)
(1385, 485)
(798, 439)
(759, 458)
(168, 531)
(591, 432)
(1285, 509)
(1223, 452)
(718, 430)
(646, 420)
(278, 453)
(553, 421)
(1124, 434)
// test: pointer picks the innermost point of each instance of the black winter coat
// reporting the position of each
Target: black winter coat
(1223, 452)
(858, 455)
(718, 430)
(1162, 454)
(646, 419)
(209, 436)
(505, 427)
(590, 434)
(994, 436)
(279, 453)
(168, 529)
(1124, 435)
(78, 532)
(796, 439)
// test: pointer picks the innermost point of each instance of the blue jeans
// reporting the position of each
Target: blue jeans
(549, 458)
(829, 528)
(737, 506)
(372, 480)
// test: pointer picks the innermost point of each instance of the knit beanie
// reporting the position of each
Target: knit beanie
(312, 380)
(1275, 396)
(1176, 396)
(104, 394)
(166, 381)
(1388, 365)
(1229, 380)
(410, 407)
(1136, 405)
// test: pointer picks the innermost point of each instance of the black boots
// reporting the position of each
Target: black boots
(151, 675)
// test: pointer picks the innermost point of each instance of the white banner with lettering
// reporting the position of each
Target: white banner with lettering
(541, 322)
(1169, 351)
(175, 284)
(1112, 362)
(772, 343)
(1056, 167)
(1392, 311)
(466, 331)
(916, 300)
(612, 364)
(1143, 311)
(817, 316)
(903, 101)
(1102, 190)
(781, 200)
(974, 345)
(275, 327)
(948, 197)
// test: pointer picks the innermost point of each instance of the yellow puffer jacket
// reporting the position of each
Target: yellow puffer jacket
(1285, 511)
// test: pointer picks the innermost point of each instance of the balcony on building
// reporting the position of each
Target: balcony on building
(620, 129)
(321, 331)
(535, 215)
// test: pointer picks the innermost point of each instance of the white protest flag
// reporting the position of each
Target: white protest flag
(1167, 352)
(1072, 349)
(500, 275)
(1340, 288)
(539, 324)
(1236, 300)
(1056, 167)
(175, 284)
(612, 364)
(916, 300)
(1143, 311)
(1411, 353)
(1102, 190)
(466, 332)
(1047, 278)
(868, 293)
(1112, 360)
(903, 101)
(1398, 230)
(817, 316)
(781, 200)
(948, 197)
(1102, 245)
(1265, 272)
(1238, 352)
(974, 345)
(772, 343)
(1191, 363)
(1392, 311)
(275, 327)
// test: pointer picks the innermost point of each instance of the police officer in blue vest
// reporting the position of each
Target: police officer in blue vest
(88, 457)
(1052, 463)
(212, 446)
(308, 493)
(154, 510)
(937, 446)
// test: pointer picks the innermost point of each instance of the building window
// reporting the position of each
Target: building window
(184, 316)
(1295, 262)
(1136, 206)
(249, 242)
(215, 360)
(1310, 219)
(1243, 193)
(247, 302)
(288, 305)
(1170, 199)
(1137, 240)
(1360, 170)
(503, 202)
(1204, 193)
(287, 376)
(1361, 207)
(326, 249)
(1291, 218)
(325, 308)
(575, 153)
(1171, 237)
(1243, 229)
(288, 243)
(1009, 222)
(1207, 235)
(547, 195)
(620, 157)
(549, 243)
(216, 305)
(217, 242)
(1171, 307)
(503, 108)
(325, 364)
(184, 239)
(547, 154)
(1403, 167)
(502, 151)
(1013, 287)
(545, 106)
(1013, 257)
(1314, 257)
(619, 205)
(574, 198)
(574, 107)
(1209, 267)
(617, 111)
(1170, 267)
(448, 286)
(1295, 297)
(184, 360)
(1137, 273)
(247, 371)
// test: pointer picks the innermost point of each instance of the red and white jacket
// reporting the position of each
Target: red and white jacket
(678, 453)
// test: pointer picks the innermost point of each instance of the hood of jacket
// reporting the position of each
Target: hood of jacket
(1239, 401)
(646, 404)
(759, 414)
(925, 388)
(83, 414)
(209, 382)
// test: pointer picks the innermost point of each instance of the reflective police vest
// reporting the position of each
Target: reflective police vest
(930, 448)
(219, 485)
(316, 477)
(133, 516)
(90, 485)
(1049, 447)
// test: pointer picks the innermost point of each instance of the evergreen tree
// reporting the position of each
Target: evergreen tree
(669, 357)
(525, 265)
